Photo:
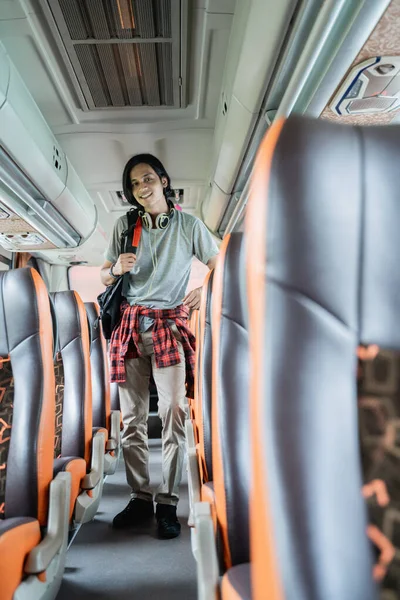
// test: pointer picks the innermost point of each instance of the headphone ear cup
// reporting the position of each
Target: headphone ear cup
(146, 220)
(162, 221)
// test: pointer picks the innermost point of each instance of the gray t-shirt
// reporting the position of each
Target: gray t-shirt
(164, 260)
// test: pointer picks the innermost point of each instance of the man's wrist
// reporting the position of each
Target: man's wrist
(112, 273)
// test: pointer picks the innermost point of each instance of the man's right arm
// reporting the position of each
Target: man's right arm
(116, 262)
(106, 278)
(124, 264)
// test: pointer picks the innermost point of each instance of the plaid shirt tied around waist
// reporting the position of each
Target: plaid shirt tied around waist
(126, 337)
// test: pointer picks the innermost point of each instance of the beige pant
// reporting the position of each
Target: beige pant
(134, 401)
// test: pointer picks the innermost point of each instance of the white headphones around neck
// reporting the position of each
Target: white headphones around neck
(161, 222)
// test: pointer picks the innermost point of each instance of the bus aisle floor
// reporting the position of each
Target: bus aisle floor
(108, 564)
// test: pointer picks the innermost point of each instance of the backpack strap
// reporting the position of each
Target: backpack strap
(127, 243)
(134, 235)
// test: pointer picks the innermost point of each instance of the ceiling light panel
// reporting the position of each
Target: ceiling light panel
(122, 53)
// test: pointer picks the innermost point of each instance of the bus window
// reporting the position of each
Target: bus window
(86, 281)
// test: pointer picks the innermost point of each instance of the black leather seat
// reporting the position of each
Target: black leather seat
(198, 425)
(114, 397)
(322, 276)
(227, 496)
(194, 324)
(75, 381)
(103, 416)
(379, 426)
(34, 507)
(205, 381)
(230, 418)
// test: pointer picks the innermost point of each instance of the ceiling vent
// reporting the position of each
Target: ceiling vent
(373, 86)
(19, 241)
(122, 53)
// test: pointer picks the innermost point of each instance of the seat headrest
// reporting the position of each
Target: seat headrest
(209, 296)
(70, 316)
(232, 301)
(333, 201)
(92, 311)
(20, 292)
(56, 343)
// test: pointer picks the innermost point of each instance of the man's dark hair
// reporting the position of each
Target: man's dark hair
(156, 165)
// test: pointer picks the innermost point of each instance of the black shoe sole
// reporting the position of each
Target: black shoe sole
(168, 536)
(162, 535)
(145, 522)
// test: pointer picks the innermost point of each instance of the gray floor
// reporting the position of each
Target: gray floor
(121, 565)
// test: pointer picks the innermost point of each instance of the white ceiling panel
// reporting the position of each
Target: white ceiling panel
(99, 142)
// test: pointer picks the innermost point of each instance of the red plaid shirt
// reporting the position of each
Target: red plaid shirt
(125, 339)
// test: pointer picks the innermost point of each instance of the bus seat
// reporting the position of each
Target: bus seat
(74, 376)
(193, 321)
(198, 426)
(379, 426)
(204, 388)
(230, 417)
(192, 401)
(322, 277)
(103, 417)
(33, 505)
(74, 465)
(230, 427)
(114, 397)
(207, 494)
(194, 328)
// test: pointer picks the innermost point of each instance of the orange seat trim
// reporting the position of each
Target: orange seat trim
(265, 577)
(218, 467)
(45, 443)
(15, 545)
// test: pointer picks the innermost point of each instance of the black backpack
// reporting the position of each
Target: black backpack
(110, 300)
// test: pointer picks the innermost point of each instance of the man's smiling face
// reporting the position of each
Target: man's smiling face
(148, 188)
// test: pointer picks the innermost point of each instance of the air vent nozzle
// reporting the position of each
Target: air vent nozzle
(372, 87)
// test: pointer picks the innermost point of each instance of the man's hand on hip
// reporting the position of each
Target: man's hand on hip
(192, 299)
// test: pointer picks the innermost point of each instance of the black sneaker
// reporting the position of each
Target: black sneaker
(168, 526)
(137, 512)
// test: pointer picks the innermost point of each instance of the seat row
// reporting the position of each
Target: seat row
(273, 452)
(58, 435)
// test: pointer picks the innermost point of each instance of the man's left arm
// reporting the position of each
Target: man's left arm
(192, 299)
(212, 262)
(204, 246)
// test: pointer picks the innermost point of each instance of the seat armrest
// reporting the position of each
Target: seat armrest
(207, 561)
(103, 430)
(57, 529)
(111, 444)
(115, 430)
(61, 464)
(193, 469)
(91, 480)
(189, 430)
